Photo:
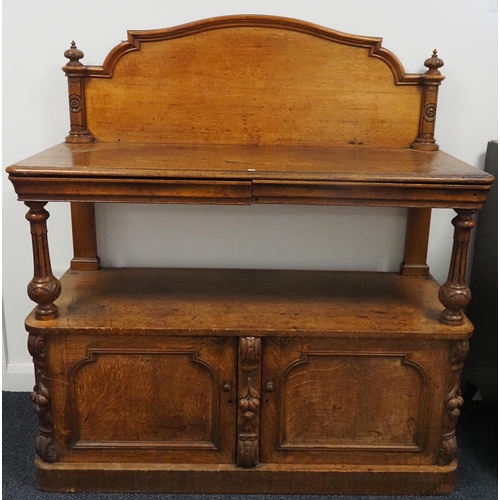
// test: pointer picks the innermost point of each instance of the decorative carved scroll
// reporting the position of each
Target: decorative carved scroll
(453, 403)
(75, 71)
(44, 288)
(45, 446)
(249, 363)
(454, 294)
(430, 81)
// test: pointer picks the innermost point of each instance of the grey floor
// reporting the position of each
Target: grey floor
(477, 472)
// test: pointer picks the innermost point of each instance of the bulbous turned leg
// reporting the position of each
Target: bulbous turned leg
(454, 294)
(44, 288)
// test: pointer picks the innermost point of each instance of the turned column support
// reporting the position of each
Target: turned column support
(454, 294)
(44, 288)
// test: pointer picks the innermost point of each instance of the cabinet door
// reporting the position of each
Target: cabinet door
(150, 398)
(351, 400)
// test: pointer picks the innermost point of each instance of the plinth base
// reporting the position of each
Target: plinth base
(268, 478)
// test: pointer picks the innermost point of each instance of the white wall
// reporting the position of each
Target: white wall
(35, 35)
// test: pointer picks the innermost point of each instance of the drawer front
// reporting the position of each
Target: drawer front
(356, 401)
(132, 399)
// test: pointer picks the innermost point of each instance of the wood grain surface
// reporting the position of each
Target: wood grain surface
(144, 399)
(249, 174)
(157, 161)
(261, 85)
(139, 301)
(266, 479)
(353, 401)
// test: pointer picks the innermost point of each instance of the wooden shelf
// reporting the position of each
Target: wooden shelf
(254, 302)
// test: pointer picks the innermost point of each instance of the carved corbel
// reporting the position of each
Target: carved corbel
(454, 401)
(40, 397)
(430, 82)
(249, 379)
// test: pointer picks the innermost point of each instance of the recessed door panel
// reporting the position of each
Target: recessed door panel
(339, 401)
(168, 400)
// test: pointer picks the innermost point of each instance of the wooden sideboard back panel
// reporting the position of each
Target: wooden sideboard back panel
(253, 80)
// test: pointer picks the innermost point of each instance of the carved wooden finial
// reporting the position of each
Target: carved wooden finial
(433, 63)
(74, 55)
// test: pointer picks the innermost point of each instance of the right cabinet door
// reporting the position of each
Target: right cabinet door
(356, 401)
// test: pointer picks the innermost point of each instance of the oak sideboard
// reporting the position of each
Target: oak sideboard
(237, 380)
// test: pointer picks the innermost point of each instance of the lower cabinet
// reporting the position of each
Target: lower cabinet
(246, 414)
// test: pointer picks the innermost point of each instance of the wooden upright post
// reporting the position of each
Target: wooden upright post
(416, 243)
(430, 82)
(85, 256)
(76, 71)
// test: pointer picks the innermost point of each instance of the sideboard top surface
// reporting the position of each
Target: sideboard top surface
(230, 174)
(171, 161)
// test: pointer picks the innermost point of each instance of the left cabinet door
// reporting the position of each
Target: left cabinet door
(143, 398)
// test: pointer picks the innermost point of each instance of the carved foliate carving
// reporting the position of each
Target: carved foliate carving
(459, 352)
(45, 447)
(248, 426)
(455, 299)
(44, 292)
(250, 350)
(454, 401)
(249, 362)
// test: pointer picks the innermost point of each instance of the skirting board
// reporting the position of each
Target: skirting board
(18, 377)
